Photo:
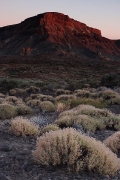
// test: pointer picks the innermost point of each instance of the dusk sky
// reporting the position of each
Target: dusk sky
(101, 14)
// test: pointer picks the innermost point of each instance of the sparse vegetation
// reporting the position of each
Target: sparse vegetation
(22, 127)
(7, 111)
(22, 109)
(13, 100)
(65, 97)
(113, 142)
(62, 106)
(89, 117)
(47, 106)
(49, 127)
(33, 103)
(77, 151)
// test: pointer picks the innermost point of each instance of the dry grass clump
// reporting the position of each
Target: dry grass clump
(33, 103)
(65, 97)
(22, 109)
(94, 118)
(61, 106)
(47, 106)
(82, 93)
(77, 151)
(23, 127)
(113, 142)
(13, 100)
(49, 127)
(7, 111)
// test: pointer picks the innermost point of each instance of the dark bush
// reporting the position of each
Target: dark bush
(110, 80)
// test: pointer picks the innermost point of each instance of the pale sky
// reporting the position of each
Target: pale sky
(100, 14)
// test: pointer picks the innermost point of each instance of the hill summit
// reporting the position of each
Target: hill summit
(56, 33)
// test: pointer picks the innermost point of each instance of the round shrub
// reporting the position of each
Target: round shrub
(13, 100)
(47, 106)
(76, 151)
(113, 142)
(22, 127)
(22, 109)
(7, 111)
(33, 103)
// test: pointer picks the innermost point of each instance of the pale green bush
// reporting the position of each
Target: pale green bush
(7, 111)
(23, 127)
(22, 109)
(47, 106)
(76, 151)
(96, 118)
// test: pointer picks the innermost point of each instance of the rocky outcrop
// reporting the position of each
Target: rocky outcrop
(56, 33)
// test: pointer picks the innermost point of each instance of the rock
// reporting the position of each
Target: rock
(5, 147)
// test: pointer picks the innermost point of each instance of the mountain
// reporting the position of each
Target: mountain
(55, 33)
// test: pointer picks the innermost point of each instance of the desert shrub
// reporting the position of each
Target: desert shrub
(94, 102)
(16, 92)
(102, 117)
(76, 151)
(62, 106)
(47, 106)
(66, 121)
(22, 109)
(13, 100)
(88, 123)
(50, 127)
(42, 97)
(111, 80)
(8, 84)
(23, 127)
(59, 92)
(68, 92)
(113, 142)
(82, 93)
(7, 111)
(32, 89)
(33, 103)
(65, 97)
(108, 94)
